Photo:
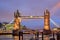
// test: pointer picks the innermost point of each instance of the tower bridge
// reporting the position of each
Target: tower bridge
(17, 25)
(18, 18)
(31, 17)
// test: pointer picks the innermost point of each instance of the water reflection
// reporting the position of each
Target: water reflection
(25, 37)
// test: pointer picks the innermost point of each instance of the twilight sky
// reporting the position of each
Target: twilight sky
(30, 7)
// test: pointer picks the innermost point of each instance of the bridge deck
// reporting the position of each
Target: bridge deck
(32, 17)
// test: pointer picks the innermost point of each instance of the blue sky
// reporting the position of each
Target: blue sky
(30, 7)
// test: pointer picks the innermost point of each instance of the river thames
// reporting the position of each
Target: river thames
(25, 37)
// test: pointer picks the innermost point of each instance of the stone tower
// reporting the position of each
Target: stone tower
(17, 20)
(47, 22)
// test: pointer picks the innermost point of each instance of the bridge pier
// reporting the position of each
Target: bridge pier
(37, 36)
(20, 35)
(17, 35)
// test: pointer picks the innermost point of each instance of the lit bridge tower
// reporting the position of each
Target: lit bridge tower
(17, 21)
(47, 22)
(17, 26)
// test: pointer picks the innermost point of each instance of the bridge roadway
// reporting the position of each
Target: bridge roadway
(31, 17)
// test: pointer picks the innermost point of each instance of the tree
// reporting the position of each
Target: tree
(9, 26)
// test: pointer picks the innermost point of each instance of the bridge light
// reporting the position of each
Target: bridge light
(55, 29)
(31, 16)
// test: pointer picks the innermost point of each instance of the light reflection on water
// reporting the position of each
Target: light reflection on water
(6, 37)
(10, 37)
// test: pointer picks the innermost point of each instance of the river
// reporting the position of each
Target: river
(10, 37)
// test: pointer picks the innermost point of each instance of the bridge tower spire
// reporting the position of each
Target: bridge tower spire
(46, 22)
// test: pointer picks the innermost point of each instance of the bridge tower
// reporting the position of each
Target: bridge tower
(47, 22)
(17, 20)
(17, 34)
